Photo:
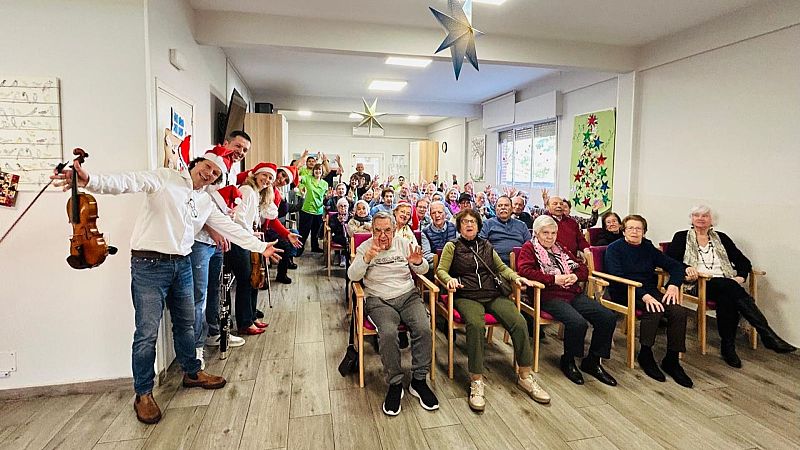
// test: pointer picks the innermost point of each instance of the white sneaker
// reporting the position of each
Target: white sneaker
(199, 354)
(477, 402)
(233, 341)
(343, 262)
(531, 387)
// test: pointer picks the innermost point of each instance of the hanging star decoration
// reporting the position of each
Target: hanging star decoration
(460, 33)
(369, 116)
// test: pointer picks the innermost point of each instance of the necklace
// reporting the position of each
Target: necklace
(706, 252)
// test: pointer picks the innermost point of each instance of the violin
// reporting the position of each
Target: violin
(87, 248)
(258, 268)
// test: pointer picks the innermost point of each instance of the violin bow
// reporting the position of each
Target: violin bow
(59, 168)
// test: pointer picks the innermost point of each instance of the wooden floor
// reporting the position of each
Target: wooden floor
(284, 392)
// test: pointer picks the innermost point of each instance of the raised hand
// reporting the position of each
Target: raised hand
(294, 239)
(272, 252)
(64, 179)
(373, 251)
(414, 254)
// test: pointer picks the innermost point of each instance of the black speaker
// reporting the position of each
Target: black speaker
(265, 108)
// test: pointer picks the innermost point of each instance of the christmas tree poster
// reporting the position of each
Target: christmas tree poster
(592, 163)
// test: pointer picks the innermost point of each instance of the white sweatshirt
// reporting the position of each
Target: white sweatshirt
(173, 212)
(387, 275)
(246, 212)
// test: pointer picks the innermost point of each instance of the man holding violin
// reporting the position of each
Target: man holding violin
(175, 209)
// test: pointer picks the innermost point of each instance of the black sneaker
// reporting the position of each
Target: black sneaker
(427, 399)
(291, 265)
(677, 373)
(259, 314)
(648, 364)
(402, 338)
(283, 279)
(391, 406)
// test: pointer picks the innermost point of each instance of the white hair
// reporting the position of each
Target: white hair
(702, 209)
(543, 221)
(342, 201)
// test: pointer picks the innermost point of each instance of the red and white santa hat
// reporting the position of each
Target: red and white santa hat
(227, 197)
(263, 167)
(220, 156)
(291, 174)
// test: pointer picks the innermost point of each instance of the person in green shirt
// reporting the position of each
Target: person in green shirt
(312, 210)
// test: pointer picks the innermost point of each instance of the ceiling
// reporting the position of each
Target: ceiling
(321, 54)
(393, 119)
(294, 72)
(618, 22)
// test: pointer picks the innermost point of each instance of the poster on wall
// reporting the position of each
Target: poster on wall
(30, 129)
(398, 165)
(9, 185)
(592, 162)
(477, 163)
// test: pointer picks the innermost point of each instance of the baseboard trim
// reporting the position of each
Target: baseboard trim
(87, 387)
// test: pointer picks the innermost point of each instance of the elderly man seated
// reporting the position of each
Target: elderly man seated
(503, 231)
(382, 262)
(570, 235)
(518, 203)
(440, 232)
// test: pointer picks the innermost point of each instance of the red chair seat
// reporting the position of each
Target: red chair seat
(335, 246)
(371, 326)
(490, 320)
(711, 304)
(546, 315)
(639, 313)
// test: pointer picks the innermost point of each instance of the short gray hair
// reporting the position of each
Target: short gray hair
(438, 203)
(384, 215)
(343, 201)
(543, 221)
(702, 209)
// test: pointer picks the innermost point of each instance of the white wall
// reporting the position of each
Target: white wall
(68, 325)
(717, 128)
(337, 138)
(454, 132)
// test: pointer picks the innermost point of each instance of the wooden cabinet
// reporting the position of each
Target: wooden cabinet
(428, 160)
(270, 139)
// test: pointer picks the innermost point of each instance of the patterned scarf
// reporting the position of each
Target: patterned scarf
(554, 261)
(692, 253)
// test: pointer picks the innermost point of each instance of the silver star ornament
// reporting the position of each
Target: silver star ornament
(460, 33)
(369, 116)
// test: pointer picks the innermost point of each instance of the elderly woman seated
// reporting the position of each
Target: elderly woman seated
(612, 229)
(713, 253)
(469, 264)
(635, 258)
(543, 259)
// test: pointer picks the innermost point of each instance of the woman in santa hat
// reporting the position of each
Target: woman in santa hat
(255, 186)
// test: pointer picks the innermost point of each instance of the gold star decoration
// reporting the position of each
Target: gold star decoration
(369, 116)
(460, 33)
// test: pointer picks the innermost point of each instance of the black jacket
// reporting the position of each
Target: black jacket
(740, 263)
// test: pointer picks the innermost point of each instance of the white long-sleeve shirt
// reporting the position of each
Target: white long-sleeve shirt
(173, 212)
(246, 212)
(386, 275)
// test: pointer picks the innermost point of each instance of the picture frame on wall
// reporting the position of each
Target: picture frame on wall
(477, 161)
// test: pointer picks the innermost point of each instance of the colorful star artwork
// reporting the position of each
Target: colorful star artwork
(592, 163)
(460, 33)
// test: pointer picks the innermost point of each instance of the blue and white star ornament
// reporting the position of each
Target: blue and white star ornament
(460, 33)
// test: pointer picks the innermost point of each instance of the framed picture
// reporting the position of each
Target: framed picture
(477, 164)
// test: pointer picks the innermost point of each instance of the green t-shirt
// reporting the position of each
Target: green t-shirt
(305, 172)
(315, 194)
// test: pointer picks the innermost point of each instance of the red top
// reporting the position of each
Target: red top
(570, 235)
(528, 267)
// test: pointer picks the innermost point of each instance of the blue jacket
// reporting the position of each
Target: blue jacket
(433, 239)
(504, 236)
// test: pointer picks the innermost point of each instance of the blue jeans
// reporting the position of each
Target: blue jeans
(155, 283)
(206, 266)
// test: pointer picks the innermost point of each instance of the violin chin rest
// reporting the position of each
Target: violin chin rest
(112, 250)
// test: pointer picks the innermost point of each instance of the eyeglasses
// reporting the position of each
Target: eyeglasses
(385, 232)
(192, 208)
(637, 229)
(469, 221)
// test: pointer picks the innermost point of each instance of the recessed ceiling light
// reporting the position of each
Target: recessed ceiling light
(490, 2)
(409, 62)
(354, 116)
(412, 118)
(304, 113)
(386, 85)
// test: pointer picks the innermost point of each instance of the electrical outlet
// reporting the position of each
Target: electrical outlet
(8, 363)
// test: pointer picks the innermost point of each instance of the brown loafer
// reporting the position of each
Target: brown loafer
(204, 380)
(147, 410)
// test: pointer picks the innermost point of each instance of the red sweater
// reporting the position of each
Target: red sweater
(570, 235)
(528, 267)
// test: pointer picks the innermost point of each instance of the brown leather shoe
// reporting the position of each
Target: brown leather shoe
(204, 380)
(146, 409)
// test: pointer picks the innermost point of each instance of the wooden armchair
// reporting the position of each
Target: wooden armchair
(704, 304)
(599, 281)
(327, 241)
(364, 327)
(535, 310)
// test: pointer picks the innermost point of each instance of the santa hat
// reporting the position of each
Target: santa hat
(263, 167)
(227, 197)
(220, 156)
(291, 174)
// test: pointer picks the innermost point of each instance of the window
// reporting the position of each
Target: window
(528, 157)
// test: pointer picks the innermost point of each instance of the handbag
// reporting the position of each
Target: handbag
(349, 363)
(501, 283)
